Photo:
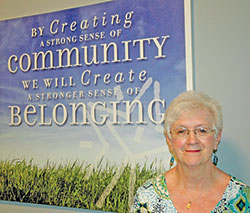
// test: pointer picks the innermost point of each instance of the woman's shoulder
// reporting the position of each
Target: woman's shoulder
(234, 184)
(155, 185)
(241, 187)
(151, 197)
(238, 183)
(237, 195)
(147, 185)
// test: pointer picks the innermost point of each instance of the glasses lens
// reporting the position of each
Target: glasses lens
(180, 132)
(202, 131)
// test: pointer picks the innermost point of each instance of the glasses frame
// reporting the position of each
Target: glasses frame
(195, 131)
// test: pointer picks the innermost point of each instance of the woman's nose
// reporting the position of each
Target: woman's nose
(192, 137)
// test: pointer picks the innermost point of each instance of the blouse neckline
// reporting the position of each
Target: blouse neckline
(160, 186)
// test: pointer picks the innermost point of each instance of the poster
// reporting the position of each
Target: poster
(82, 97)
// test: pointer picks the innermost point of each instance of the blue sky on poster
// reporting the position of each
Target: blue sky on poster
(165, 77)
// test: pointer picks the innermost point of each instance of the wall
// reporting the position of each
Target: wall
(221, 68)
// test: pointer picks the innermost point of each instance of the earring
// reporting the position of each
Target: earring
(171, 163)
(215, 158)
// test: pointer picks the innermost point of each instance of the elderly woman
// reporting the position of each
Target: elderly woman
(193, 126)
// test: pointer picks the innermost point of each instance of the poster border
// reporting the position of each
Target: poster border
(188, 44)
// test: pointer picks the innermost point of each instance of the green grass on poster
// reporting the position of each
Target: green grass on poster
(67, 185)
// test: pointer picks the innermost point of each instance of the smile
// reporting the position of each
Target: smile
(193, 151)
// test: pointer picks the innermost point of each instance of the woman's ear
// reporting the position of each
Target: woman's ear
(169, 142)
(218, 139)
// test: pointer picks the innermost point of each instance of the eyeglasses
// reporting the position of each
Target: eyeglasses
(182, 132)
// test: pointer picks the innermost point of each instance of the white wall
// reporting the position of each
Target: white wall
(19, 8)
(221, 46)
(221, 32)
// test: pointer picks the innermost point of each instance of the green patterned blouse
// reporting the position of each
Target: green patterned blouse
(153, 196)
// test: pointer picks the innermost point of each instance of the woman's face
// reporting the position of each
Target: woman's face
(193, 149)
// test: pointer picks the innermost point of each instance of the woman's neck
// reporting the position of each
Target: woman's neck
(191, 187)
(195, 177)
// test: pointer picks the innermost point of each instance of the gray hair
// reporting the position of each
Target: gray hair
(192, 100)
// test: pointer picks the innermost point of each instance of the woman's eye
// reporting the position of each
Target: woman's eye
(202, 130)
(181, 131)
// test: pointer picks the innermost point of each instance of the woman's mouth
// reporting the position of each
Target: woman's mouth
(193, 151)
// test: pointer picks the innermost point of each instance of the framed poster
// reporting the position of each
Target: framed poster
(83, 94)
